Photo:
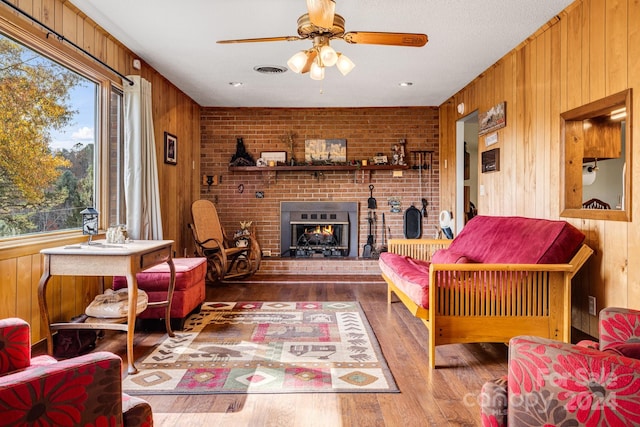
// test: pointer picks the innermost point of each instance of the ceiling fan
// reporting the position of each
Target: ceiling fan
(321, 24)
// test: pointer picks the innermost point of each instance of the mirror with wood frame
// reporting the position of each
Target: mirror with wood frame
(596, 143)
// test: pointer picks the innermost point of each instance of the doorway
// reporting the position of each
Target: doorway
(467, 168)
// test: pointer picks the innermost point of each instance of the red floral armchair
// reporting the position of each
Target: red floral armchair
(82, 391)
(553, 383)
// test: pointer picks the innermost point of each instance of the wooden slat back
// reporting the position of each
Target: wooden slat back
(493, 293)
(421, 249)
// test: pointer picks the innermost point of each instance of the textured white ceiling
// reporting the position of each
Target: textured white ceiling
(178, 39)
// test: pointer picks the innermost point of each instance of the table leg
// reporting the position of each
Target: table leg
(42, 301)
(172, 285)
(132, 287)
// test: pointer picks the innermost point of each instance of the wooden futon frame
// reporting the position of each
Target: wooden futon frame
(470, 303)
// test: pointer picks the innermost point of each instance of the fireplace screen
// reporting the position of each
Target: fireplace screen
(319, 229)
(319, 234)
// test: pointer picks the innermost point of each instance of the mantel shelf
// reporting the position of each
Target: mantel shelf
(315, 168)
(361, 173)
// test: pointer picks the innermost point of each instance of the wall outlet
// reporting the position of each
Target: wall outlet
(592, 306)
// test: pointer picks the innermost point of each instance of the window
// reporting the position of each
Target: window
(117, 211)
(50, 147)
(597, 159)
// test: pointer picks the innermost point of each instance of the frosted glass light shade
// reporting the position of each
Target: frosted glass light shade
(297, 62)
(328, 56)
(316, 72)
(344, 64)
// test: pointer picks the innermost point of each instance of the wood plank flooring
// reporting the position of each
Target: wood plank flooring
(446, 396)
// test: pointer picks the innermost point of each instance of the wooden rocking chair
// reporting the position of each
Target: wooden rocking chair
(227, 258)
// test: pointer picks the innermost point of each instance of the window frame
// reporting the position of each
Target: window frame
(39, 41)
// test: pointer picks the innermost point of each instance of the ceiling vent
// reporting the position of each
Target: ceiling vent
(270, 69)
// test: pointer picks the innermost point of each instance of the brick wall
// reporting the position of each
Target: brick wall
(367, 130)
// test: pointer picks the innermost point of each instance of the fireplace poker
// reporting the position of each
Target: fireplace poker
(383, 245)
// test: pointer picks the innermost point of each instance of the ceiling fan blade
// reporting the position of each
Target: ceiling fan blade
(321, 12)
(390, 39)
(263, 39)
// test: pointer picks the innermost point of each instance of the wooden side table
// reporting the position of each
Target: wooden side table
(103, 259)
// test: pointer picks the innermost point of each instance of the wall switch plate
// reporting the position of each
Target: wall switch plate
(592, 306)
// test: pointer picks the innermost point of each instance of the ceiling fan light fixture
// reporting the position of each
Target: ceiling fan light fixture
(344, 64)
(317, 71)
(297, 62)
(328, 56)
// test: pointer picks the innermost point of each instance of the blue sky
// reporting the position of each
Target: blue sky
(82, 127)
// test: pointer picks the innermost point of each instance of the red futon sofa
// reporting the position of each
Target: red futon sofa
(500, 277)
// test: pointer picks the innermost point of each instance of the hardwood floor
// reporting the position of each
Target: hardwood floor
(444, 396)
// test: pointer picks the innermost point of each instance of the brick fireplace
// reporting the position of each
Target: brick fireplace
(368, 131)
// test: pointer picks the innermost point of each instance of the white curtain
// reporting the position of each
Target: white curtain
(142, 196)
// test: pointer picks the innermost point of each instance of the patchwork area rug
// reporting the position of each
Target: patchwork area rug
(267, 347)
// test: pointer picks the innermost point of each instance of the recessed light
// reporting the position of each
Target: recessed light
(235, 84)
(405, 84)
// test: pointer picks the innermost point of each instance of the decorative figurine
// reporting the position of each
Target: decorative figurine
(395, 157)
(241, 157)
(401, 153)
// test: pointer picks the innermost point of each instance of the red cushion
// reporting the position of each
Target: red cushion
(517, 240)
(189, 288)
(189, 271)
(408, 274)
(445, 256)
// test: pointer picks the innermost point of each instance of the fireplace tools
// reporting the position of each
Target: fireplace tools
(383, 246)
(367, 251)
(372, 202)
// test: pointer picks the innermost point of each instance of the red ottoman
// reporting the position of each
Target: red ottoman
(189, 291)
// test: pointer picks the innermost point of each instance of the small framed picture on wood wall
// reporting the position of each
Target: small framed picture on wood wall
(170, 149)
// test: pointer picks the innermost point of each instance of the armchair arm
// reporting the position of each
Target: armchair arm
(618, 326)
(550, 382)
(15, 345)
(211, 244)
(85, 390)
(493, 403)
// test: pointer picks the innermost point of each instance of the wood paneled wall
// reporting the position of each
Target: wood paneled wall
(589, 51)
(173, 112)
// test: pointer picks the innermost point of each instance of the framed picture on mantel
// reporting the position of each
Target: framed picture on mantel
(274, 156)
(325, 150)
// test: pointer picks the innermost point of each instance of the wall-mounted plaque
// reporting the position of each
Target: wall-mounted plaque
(491, 160)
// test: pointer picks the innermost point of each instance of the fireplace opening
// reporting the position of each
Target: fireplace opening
(319, 229)
(319, 234)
